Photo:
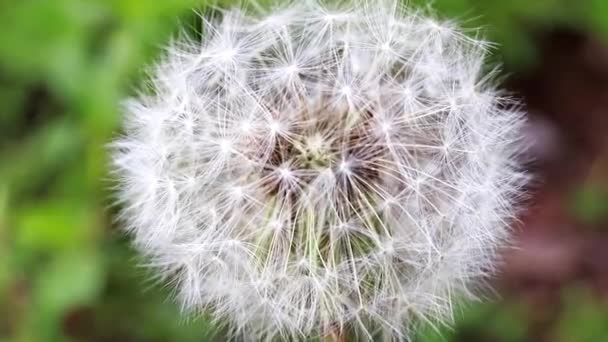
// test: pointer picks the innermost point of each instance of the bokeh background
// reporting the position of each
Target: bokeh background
(68, 274)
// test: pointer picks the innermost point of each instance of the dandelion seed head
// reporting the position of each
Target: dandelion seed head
(311, 170)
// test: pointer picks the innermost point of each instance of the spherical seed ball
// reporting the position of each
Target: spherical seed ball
(313, 171)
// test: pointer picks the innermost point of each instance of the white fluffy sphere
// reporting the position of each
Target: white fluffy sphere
(311, 171)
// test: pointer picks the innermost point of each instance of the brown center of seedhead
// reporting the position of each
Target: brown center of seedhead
(344, 143)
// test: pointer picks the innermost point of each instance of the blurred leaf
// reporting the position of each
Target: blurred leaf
(598, 16)
(26, 166)
(500, 322)
(53, 226)
(584, 319)
(71, 279)
(39, 35)
(12, 99)
(590, 204)
(4, 247)
(68, 281)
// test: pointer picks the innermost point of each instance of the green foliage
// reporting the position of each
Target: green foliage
(65, 67)
(598, 16)
(590, 203)
(585, 319)
(501, 322)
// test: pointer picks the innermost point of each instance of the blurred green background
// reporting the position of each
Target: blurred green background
(68, 274)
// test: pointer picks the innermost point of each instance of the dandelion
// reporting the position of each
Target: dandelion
(317, 171)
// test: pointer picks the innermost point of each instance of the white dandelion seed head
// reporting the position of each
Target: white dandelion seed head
(318, 169)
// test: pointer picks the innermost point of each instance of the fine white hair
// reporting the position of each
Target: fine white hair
(316, 170)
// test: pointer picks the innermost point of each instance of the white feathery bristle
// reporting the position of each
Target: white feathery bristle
(317, 170)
